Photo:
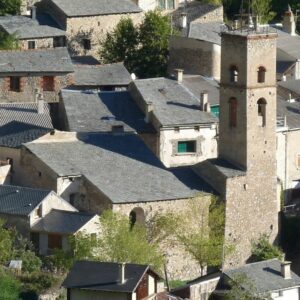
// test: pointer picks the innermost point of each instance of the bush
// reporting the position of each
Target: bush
(31, 262)
(10, 287)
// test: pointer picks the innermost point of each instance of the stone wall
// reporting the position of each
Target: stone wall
(180, 265)
(194, 57)
(28, 84)
(39, 43)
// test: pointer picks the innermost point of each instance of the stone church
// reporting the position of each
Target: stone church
(245, 171)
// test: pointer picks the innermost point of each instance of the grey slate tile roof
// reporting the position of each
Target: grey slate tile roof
(283, 66)
(98, 112)
(121, 166)
(78, 8)
(104, 75)
(27, 28)
(173, 103)
(17, 200)
(55, 60)
(84, 60)
(266, 276)
(209, 32)
(289, 44)
(103, 276)
(292, 85)
(198, 83)
(21, 123)
(63, 222)
(291, 110)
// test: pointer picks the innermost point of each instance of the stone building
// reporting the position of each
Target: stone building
(43, 217)
(86, 23)
(119, 172)
(185, 128)
(34, 32)
(24, 73)
(245, 172)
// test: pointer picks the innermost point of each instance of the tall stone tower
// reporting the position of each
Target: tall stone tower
(245, 172)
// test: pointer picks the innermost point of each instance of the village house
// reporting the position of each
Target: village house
(96, 172)
(24, 74)
(34, 32)
(86, 23)
(21, 123)
(186, 129)
(107, 281)
(43, 217)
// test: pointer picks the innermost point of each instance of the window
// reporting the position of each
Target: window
(38, 211)
(137, 215)
(48, 83)
(31, 44)
(166, 4)
(234, 74)
(176, 129)
(232, 112)
(54, 241)
(86, 44)
(261, 74)
(15, 83)
(59, 41)
(261, 111)
(186, 147)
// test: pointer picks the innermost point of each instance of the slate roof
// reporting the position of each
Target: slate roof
(98, 112)
(291, 110)
(121, 166)
(266, 276)
(289, 44)
(28, 28)
(103, 276)
(21, 123)
(63, 222)
(209, 32)
(85, 60)
(283, 66)
(104, 75)
(77, 8)
(15, 200)
(292, 85)
(55, 60)
(173, 103)
(198, 83)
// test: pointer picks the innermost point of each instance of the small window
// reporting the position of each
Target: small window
(31, 44)
(261, 111)
(59, 41)
(54, 241)
(234, 74)
(132, 218)
(48, 83)
(15, 83)
(86, 44)
(197, 128)
(38, 211)
(233, 112)
(176, 129)
(117, 128)
(186, 147)
(261, 74)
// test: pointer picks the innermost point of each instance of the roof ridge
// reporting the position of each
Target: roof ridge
(26, 188)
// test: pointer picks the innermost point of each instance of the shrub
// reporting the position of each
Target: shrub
(10, 287)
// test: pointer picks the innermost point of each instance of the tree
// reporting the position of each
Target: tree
(8, 41)
(263, 250)
(11, 7)
(262, 9)
(7, 237)
(118, 242)
(120, 44)
(144, 49)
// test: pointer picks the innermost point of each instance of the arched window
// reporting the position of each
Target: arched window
(261, 111)
(234, 74)
(137, 215)
(261, 74)
(232, 112)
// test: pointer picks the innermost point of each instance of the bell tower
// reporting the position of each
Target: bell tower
(248, 100)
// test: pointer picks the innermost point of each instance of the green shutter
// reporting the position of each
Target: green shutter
(181, 147)
(186, 146)
(216, 110)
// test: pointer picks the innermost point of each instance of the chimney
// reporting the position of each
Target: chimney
(207, 107)
(179, 75)
(149, 109)
(33, 12)
(122, 273)
(286, 269)
(289, 23)
(203, 100)
(41, 104)
(183, 20)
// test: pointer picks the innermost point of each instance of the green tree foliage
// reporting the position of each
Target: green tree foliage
(262, 249)
(11, 7)
(144, 49)
(118, 242)
(7, 237)
(262, 9)
(10, 287)
(8, 41)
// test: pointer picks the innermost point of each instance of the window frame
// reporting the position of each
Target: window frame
(234, 74)
(31, 43)
(87, 44)
(15, 84)
(48, 83)
(190, 146)
(261, 74)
